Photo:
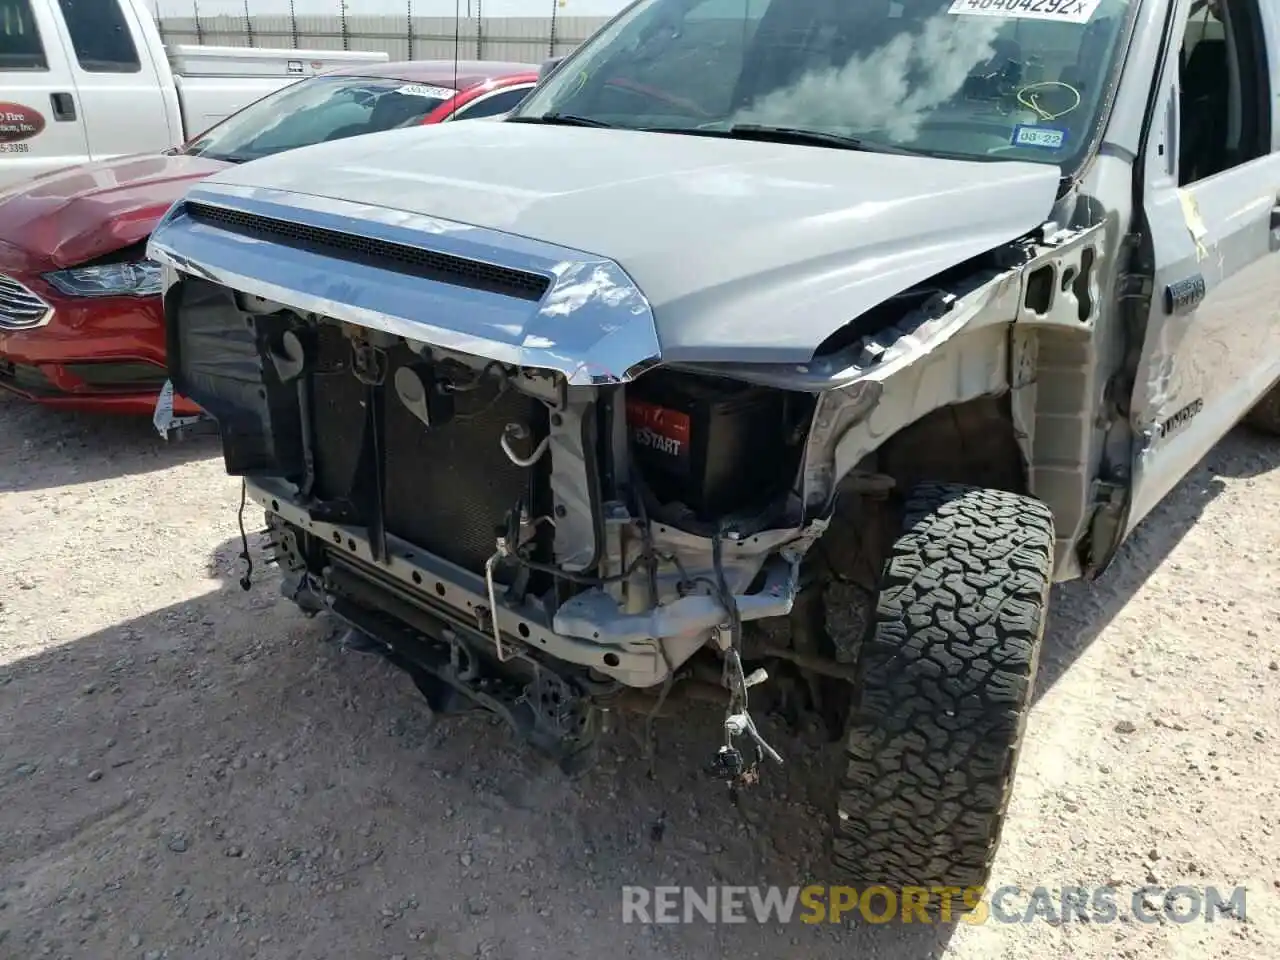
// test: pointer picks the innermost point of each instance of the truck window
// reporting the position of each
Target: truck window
(20, 46)
(976, 79)
(1225, 99)
(100, 36)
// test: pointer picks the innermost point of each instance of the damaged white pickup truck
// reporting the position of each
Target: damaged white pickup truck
(779, 353)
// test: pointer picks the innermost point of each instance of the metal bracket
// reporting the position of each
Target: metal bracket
(166, 424)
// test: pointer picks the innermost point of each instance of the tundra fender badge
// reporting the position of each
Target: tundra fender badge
(1185, 295)
(1179, 419)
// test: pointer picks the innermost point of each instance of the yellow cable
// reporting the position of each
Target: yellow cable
(1027, 96)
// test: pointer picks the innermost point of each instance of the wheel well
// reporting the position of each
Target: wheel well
(972, 443)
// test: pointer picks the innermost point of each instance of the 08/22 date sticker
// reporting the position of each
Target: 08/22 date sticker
(1046, 138)
(1063, 11)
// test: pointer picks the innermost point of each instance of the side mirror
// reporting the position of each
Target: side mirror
(549, 67)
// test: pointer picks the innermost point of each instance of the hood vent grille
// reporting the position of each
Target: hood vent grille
(384, 254)
(20, 309)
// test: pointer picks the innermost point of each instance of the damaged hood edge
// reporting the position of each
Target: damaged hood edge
(592, 325)
(712, 252)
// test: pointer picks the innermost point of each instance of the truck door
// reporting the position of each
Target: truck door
(41, 127)
(120, 91)
(1212, 208)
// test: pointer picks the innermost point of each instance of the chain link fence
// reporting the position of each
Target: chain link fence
(409, 37)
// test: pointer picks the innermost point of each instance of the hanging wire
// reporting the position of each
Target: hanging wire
(246, 555)
(248, 24)
(195, 9)
(293, 23)
(1029, 97)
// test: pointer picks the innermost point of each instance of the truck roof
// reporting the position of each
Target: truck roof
(457, 75)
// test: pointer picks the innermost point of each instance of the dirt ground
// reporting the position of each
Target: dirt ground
(188, 770)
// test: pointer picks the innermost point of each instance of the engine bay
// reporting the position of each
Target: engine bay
(504, 536)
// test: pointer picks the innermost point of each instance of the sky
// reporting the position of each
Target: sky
(423, 8)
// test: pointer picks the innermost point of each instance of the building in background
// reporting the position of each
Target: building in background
(422, 8)
(516, 30)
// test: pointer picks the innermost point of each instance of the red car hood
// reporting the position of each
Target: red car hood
(74, 215)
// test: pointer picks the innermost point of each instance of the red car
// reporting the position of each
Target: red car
(81, 323)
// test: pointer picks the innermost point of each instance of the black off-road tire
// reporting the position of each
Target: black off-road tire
(946, 678)
(1265, 415)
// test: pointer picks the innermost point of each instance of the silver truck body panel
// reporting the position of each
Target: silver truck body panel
(1203, 364)
(744, 252)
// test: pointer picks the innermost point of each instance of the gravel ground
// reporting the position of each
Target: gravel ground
(191, 771)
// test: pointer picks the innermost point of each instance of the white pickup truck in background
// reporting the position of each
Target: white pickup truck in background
(85, 80)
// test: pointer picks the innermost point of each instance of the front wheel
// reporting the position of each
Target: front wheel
(1265, 415)
(945, 683)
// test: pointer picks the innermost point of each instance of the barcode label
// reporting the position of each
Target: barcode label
(1063, 11)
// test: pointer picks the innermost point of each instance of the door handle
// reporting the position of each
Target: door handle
(64, 106)
(1275, 226)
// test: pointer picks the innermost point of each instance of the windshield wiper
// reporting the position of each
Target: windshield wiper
(561, 119)
(817, 138)
(739, 131)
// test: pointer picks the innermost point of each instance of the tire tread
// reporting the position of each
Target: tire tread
(1265, 415)
(946, 682)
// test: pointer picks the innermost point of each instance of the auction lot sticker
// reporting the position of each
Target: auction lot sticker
(18, 122)
(425, 90)
(1063, 11)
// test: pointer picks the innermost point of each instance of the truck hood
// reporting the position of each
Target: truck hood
(742, 251)
(77, 214)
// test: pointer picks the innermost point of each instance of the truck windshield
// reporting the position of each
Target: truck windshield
(974, 79)
(311, 111)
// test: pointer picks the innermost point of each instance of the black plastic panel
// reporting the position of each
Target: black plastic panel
(215, 353)
(396, 257)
